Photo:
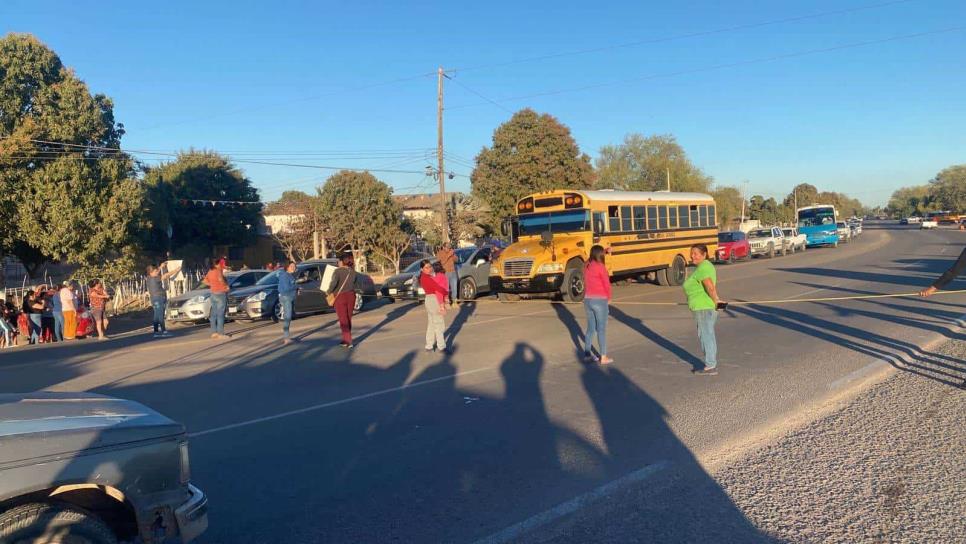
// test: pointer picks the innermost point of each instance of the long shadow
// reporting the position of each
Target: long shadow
(932, 301)
(860, 275)
(467, 309)
(902, 355)
(573, 328)
(368, 452)
(392, 315)
(639, 326)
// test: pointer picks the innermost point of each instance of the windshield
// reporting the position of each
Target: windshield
(413, 268)
(841, 224)
(760, 233)
(565, 221)
(271, 279)
(230, 279)
(815, 217)
(463, 254)
(728, 237)
(788, 232)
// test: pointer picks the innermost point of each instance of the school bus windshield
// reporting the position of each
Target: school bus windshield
(562, 221)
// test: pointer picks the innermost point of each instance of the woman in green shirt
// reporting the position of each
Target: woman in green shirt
(703, 302)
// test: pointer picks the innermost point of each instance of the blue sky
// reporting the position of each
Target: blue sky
(296, 82)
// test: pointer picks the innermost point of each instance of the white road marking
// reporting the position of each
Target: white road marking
(518, 530)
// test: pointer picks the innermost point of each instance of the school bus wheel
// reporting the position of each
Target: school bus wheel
(573, 286)
(675, 274)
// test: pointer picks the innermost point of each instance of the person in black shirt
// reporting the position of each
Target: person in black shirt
(958, 268)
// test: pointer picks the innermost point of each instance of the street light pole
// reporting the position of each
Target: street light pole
(444, 220)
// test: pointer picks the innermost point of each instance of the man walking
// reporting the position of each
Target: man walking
(447, 257)
(286, 298)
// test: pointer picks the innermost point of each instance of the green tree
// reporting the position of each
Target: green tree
(531, 152)
(728, 205)
(644, 163)
(69, 194)
(190, 196)
(359, 213)
(297, 236)
(948, 189)
(803, 194)
(767, 211)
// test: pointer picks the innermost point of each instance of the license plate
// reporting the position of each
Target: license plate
(393, 291)
(233, 309)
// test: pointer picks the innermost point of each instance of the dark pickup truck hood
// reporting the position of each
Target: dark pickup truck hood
(44, 423)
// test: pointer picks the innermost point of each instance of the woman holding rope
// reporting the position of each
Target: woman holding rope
(703, 301)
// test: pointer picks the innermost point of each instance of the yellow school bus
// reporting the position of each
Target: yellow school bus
(646, 233)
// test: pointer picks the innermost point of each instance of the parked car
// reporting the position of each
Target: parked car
(928, 224)
(845, 232)
(473, 265)
(856, 226)
(732, 246)
(795, 240)
(90, 469)
(904, 221)
(913, 220)
(261, 300)
(767, 242)
(195, 305)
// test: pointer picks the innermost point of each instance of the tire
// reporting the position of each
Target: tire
(731, 258)
(573, 286)
(793, 248)
(467, 289)
(835, 244)
(359, 304)
(675, 274)
(277, 312)
(784, 250)
(55, 523)
(771, 251)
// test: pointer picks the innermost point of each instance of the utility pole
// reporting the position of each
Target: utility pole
(439, 154)
(668, 179)
(744, 194)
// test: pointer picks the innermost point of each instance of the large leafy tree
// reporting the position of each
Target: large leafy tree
(359, 214)
(531, 152)
(948, 189)
(728, 201)
(803, 194)
(69, 194)
(909, 200)
(644, 163)
(205, 200)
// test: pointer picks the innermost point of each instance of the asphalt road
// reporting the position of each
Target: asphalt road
(387, 443)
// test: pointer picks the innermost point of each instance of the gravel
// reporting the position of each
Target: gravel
(889, 465)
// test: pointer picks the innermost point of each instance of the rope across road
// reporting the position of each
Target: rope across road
(730, 302)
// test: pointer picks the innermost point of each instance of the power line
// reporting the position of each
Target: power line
(677, 37)
(762, 60)
(491, 101)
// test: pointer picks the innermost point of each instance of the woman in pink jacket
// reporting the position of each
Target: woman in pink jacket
(596, 299)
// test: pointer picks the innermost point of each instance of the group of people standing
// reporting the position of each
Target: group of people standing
(55, 314)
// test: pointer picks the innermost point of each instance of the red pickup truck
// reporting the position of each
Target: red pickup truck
(732, 246)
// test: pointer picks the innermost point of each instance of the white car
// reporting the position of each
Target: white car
(928, 224)
(794, 239)
(845, 232)
(914, 220)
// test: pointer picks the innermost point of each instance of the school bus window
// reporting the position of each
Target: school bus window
(712, 218)
(662, 217)
(652, 217)
(703, 210)
(614, 219)
(695, 218)
(626, 224)
(683, 217)
(639, 223)
(673, 216)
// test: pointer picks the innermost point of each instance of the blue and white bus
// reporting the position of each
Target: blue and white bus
(817, 223)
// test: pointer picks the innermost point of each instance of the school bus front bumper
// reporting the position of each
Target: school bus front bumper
(541, 283)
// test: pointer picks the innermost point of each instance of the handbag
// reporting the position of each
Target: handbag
(330, 297)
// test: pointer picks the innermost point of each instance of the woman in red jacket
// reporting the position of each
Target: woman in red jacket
(435, 307)
(596, 299)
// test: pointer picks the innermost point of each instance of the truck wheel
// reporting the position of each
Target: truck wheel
(793, 249)
(41, 522)
(360, 302)
(784, 250)
(573, 286)
(731, 258)
(771, 251)
(467, 289)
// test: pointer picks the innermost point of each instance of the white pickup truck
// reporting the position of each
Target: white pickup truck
(795, 240)
(767, 242)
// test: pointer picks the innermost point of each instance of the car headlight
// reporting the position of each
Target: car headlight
(408, 282)
(550, 268)
(259, 296)
(198, 299)
(494, 269)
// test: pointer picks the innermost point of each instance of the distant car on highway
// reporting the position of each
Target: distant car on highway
(195, 305)
(911, 220)
(89, 469)
(473, 265)
(795, 240)
(845, 232)
(261, 300)
(732, 246)
(928, 224)
(767, 242)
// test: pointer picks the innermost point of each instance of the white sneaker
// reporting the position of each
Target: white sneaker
(157, 335)
(166, 334)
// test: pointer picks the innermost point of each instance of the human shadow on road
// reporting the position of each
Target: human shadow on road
(466, 310)
(898, 353)
(566, 316)
(861, 275)
(638, 325)
(392, 315)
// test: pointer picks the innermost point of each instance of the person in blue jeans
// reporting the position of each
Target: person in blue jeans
(702, 292)
(597, 295)
(159, 296)
(58, 307)
(215, 278)
(286, 298)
